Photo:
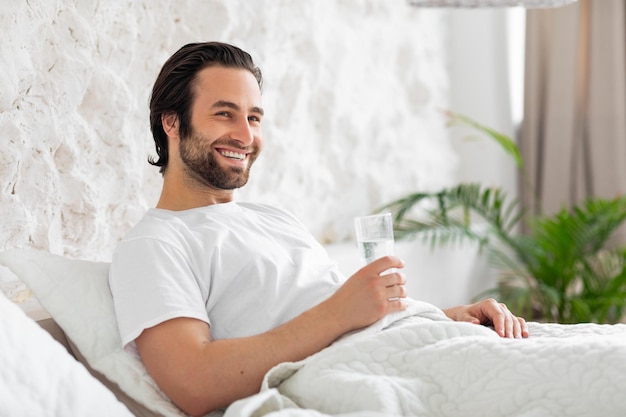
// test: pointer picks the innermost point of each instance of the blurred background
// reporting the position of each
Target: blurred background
(354, 95)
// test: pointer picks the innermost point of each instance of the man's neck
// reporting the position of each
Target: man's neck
(179, 195)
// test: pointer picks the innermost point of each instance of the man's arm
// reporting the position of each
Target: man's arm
(200, 375)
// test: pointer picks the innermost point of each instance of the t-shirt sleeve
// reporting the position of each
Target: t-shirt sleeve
(152, 282)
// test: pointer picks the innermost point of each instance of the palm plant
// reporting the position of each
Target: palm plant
(563, 270)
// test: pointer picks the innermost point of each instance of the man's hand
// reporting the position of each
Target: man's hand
(490, 312)
(370, 294)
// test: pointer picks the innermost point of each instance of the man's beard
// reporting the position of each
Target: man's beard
(201, 165)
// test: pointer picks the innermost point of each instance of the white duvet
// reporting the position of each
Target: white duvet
(426, 365)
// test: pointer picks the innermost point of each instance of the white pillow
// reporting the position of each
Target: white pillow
(76, 294)
(39, 378)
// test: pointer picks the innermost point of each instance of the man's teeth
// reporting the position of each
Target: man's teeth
(234, 155)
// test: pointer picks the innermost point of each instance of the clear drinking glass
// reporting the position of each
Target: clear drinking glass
(374, 236)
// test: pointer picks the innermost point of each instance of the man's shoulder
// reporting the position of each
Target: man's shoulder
(155, 224)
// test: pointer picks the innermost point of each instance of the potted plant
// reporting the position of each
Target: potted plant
(563, 270)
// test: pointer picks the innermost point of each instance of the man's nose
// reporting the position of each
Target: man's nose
(244, 132)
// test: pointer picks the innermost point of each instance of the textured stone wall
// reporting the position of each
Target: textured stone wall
(352, 94)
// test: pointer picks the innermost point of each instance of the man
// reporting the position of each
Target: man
(213, 293)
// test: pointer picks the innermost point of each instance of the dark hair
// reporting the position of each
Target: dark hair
(173, 88)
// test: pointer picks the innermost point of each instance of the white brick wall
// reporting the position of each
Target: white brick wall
(352, 93)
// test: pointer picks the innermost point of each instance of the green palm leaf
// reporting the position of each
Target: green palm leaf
(504, 141)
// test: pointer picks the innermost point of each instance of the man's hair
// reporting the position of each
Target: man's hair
(173, 89)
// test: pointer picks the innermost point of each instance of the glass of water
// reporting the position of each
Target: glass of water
(374, 236)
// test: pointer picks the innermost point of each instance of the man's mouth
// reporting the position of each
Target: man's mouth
(233, 155)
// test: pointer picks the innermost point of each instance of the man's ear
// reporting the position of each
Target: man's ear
(170, 124)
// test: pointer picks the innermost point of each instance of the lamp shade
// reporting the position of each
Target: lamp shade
(490, 3)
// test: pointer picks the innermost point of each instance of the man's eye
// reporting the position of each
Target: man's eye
(224, 113)
(254, 119)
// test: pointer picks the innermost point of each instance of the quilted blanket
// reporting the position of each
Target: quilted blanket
(421, 364)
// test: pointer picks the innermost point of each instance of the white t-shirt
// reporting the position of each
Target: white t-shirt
(242, 268)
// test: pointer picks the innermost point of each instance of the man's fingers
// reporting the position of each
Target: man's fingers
(394, 278)
(499, 316)
(386, 263)
(514, 327)
(394, 285)
(523, 326)
(508, 321)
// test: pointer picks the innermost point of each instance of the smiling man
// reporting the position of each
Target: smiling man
(224, 138)
(212, 293)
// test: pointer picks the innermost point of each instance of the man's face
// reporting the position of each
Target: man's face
(225, 134)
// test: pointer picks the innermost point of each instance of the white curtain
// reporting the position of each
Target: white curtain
(573, 136)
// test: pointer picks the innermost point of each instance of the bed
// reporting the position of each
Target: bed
(415, 363)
